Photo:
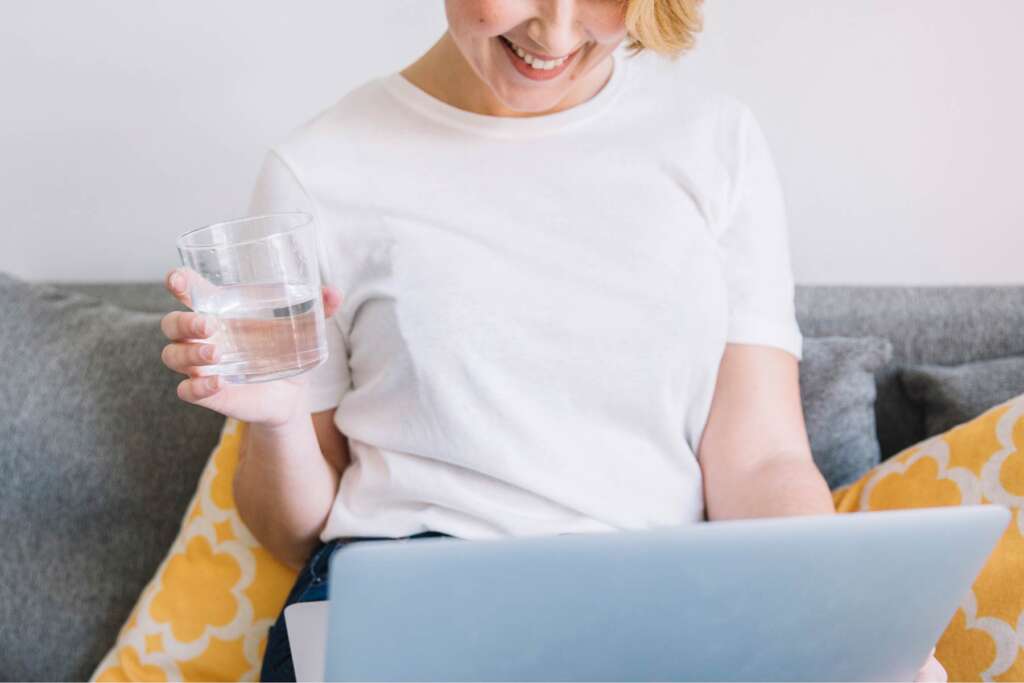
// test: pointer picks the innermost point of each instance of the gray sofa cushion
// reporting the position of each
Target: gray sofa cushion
(837, 390)
(952, 395)
(98, 460)
(942, 325)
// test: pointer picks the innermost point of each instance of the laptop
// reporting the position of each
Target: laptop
(861, 596)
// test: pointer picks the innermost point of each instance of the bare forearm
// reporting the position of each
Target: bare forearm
(779, 487)
(284, 488)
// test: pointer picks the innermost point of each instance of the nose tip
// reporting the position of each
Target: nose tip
(554, 38)
(554, 48)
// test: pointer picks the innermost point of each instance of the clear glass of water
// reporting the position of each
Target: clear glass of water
(259, 278)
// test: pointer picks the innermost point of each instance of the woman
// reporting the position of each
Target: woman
(568, 304)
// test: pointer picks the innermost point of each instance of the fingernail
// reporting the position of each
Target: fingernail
(177, 283)
(206, 352)
(211, 383)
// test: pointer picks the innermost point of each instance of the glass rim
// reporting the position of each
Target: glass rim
(307, 220)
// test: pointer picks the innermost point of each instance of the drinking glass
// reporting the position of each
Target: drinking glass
(259, 279)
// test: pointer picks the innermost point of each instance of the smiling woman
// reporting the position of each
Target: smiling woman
(560, 299)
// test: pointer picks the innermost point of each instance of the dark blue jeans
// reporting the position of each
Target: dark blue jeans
(310, 586)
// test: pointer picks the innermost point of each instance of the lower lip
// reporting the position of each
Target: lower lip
(536, 74)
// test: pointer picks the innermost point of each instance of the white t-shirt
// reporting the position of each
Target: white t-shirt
(535, 309)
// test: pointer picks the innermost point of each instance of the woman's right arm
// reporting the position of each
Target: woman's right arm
(290, 460)
(286, 482)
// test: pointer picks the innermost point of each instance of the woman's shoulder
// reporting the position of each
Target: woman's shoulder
(348, 118)
(670, 93)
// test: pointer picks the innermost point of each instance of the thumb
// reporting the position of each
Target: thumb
(332, 300)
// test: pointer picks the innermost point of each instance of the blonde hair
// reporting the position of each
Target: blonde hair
(668, 27)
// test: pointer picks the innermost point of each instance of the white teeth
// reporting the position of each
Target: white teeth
(535, 62)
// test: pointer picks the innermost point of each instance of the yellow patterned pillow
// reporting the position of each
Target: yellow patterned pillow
(205, 614)
(981, 461)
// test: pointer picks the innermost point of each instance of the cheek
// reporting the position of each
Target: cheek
(480, 18)
(606, 20)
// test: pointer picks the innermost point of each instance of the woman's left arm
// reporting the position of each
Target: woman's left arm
(755, 454)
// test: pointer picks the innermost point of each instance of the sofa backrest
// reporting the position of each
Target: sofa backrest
(943, 325)
(939, 325)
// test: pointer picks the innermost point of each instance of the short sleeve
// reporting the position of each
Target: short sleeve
(278, 190)
(754, 243)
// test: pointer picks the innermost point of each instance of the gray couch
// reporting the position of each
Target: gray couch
(99, 458)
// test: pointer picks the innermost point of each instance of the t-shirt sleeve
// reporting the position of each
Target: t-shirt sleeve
(279, 190)
(754, 244)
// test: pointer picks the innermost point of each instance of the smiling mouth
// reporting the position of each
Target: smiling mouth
(536, 62)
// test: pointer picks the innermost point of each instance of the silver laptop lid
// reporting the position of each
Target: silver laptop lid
(861, 596)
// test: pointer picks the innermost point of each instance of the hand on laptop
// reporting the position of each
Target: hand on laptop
(932, 670)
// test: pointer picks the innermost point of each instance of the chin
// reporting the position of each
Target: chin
(528, 99)
(534, 104)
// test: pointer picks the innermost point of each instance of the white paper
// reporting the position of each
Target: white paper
(306, 623)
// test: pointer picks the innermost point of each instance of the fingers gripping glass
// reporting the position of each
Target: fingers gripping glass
(259, 278)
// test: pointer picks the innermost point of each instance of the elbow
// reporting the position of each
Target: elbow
(773, 487)
(289, 551)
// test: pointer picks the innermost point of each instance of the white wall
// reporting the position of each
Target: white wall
(897, 124)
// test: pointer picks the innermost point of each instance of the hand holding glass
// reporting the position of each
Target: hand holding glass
(259, 278)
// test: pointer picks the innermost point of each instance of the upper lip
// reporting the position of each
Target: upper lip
(541, 55)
